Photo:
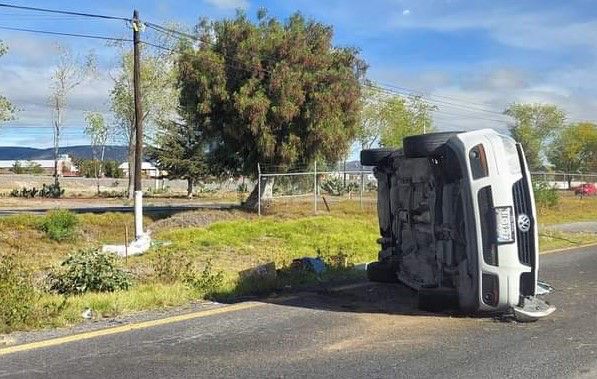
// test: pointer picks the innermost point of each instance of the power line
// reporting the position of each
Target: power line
(106, 17)
(165, 30)
(66, 34)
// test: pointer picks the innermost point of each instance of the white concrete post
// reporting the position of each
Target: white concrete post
(138, 214)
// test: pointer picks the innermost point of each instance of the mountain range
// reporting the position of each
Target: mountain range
(113, 152)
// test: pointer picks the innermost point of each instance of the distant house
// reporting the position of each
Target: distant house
(147, 168)
(66, 167)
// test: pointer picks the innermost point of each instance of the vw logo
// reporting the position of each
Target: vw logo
(523, 222)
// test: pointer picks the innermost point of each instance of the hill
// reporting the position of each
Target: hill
(117, 153)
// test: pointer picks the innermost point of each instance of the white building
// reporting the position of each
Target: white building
(147, 168)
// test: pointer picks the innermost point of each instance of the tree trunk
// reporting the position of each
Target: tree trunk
(56, 145)
(267, 194)
(190, 188)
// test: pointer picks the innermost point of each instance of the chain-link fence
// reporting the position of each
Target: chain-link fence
(326, 188)
(341, 187)
(564, 180)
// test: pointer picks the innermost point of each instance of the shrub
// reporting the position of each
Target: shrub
(32, 168)
(49, 191)
(545, 195)
(59, 225)
(335, 186)
(207, 282)
(17, 294)
(88, 270)
(171, 267)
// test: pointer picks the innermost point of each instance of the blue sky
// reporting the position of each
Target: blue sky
(471, 58)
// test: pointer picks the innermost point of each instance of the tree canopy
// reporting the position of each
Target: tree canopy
(180, 152)
(7, 111)
(534, 125)
(575, 148)
(271, 92)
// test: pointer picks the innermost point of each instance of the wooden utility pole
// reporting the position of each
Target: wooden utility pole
(138, 124)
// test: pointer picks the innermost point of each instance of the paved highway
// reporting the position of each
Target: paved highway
(368, 331)
(147, 209)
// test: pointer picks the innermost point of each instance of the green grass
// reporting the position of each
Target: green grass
(570, 209)
(241, 244)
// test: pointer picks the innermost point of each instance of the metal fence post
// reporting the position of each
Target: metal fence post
(315, 187)
(258, 189)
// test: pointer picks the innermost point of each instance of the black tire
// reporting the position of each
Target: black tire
(381, 272)
(437, 299)
(376, 157)
(425, 145)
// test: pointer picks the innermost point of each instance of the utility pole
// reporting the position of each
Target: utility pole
(138, 125)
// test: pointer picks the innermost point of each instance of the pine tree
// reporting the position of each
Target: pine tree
(180, 150)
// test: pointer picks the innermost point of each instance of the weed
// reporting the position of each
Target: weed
(59, 225)
(545, 196)
(205, 283)
(17, 294)
(88, 270)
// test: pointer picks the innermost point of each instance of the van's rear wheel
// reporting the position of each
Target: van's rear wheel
(381, 272)
(424, 145)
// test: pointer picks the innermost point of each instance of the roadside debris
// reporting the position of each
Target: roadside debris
(87, 314)
(264, 271)
(314, 265)
(543, 288)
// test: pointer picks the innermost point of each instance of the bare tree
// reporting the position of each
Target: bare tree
(98, 132)
(69, 72)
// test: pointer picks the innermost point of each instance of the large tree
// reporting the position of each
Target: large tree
(275, 93)
(534, 126)
(404, 117)
(158, 98)
(7, 111)
(574, 150)
(179, 149)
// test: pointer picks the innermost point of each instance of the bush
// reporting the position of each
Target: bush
(48, 191)
(59, 225)
(545, 196)
(207, 282)
(88, 270)
(17, 294)
(171, 267)
(31, 168)
(335, 186)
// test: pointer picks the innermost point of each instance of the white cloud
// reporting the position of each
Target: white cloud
(510, 25)
(406, 12)
(229, 4)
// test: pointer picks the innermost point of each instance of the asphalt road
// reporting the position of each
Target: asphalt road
(371, 331)
(148, 209)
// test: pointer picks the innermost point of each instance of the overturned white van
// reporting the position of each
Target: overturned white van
(457, 219)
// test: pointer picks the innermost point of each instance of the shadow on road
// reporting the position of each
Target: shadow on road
(360, 297)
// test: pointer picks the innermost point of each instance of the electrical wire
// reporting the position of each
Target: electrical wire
(82, 14)
(48, 32)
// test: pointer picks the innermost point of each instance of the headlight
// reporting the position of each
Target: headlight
(504, 221)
